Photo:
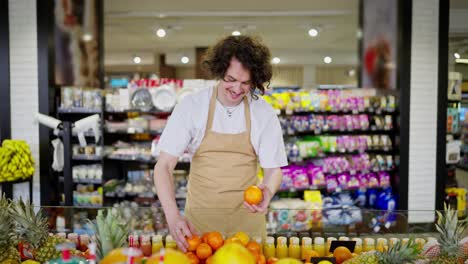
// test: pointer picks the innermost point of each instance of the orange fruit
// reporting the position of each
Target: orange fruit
(209, 260)
(254, 247)
(243, 237)
(253, 195)
(272, 260)
(260, 259)
(205, 237)
(233, 240)
(204, 251)
(215, 240)
(193, 242)
(342, 254)
(193, 258)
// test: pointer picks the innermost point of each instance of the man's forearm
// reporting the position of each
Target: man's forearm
(164, 181)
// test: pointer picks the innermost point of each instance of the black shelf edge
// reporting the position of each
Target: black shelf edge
(117, 132)
(181, 165)
(87, 158)
(157, 112)
(348, 153)
(16, 181)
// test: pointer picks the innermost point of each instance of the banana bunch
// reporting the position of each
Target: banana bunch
(16, 161)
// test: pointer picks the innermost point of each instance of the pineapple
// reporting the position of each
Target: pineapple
(110, 233)
(8, 251)
(450, 229)
(399, 253)
(32, 229)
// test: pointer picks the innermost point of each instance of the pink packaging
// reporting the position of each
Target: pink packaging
(353, 182)
(363, 180)
(316, 176)
(287, 182)
(343, 180)
(384, 179)
(364, 122)
(300, 179)
(332, 183)
(373, 180)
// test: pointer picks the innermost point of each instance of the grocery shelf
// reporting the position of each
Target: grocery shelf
(78, 110)
(157, 112)
(318, 112)
(16, 181)
(181, 165)
(83, 181)
(342, 132)
(133, 132)
(87, 157)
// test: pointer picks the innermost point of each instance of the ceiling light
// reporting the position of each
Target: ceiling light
(184, 59)
(456, 55)
(161, 33)
(87, 37)
(462, 61)
(136, 60)
(276, 60)
(327, 59)
(351, 72)
(236, 33)
(313, 32)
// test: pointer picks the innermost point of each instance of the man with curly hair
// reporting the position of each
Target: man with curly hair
(228, 130)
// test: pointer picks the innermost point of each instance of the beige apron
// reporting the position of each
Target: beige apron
(222, 168)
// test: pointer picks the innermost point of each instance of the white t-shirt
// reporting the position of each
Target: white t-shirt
(186, 126)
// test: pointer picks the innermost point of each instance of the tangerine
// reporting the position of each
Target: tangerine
(342, 254)
(205, 237)
(193, 242)
(272, 260)
(204, 251)
(260, 259)
(193, 258)
(215, 240)
(253, 247)
(253, 195)
(209, 260)
(311, 254)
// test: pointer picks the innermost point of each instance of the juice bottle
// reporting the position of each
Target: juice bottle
(305, 247)
(269, 249)
(393, 241)
(329, 241)
(73, 237)
(343, 238)
(294, 248)
(133, 241)
(369, 244)
(84, 242)
(170, 243)
(404, 241)
(157, 244)
(382, 244)
(145, 245)
(259, 241)
(421, 242)
(281, 247)
(319, 246)
(358, 247)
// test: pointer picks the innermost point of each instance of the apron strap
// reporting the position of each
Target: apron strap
(247, 116)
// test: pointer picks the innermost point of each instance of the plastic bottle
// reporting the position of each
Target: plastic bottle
(404, 241)
(421, 242)
(319, 246)
(392, 242)
(306, 246)
(281, 247)
(329, 241)
(170, 243)
(382, 244)
(157, 244)
(358, 247)
(369, 244)
(294, 248)
(343, 238)
(259, 241)
(145, 246)
(84, 242)
(269, 249)
(133, 241)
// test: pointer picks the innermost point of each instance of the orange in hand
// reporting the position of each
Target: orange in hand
(193, 242)
(253, 195)
(215, 240)
(204, 251)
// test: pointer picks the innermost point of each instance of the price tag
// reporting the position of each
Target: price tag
(131, 130)
(289, 112)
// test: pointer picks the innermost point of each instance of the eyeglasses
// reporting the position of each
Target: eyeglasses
(230, 79)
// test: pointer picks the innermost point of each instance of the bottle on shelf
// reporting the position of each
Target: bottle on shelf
(145, 245)
(306, 246)
(382, 244)
(294, 248)
(269, 249)
(358, 247)
(329, 241)
(170, 243)
(343, 238)
(157, 244)
(392, 242)
(369, 244)
(319, 246)
(84, 242)
(281, 247)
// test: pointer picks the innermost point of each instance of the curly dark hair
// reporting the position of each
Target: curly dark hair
(250, 51)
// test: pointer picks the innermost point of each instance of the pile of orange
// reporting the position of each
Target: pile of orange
(202, 249)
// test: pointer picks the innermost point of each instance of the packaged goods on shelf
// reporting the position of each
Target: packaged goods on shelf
(80, 99)
(88, 152)
(86, 195)
(87, 173)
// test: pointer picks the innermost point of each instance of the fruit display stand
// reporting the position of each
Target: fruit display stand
(144, 229)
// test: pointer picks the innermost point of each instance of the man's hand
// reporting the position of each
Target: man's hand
(262, 207)
(180, 228)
